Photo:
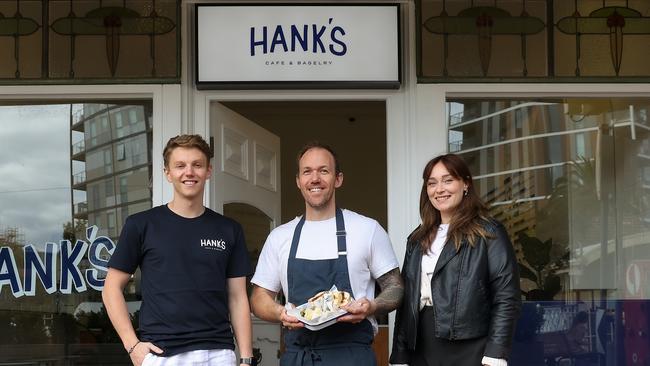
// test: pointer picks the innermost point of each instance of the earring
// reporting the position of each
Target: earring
(465, 194)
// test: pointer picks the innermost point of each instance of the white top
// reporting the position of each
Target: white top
(429, 265)
(370, 253)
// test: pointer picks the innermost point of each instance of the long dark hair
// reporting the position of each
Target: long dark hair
(469, 217)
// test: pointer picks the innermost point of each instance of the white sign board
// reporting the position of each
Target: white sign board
(323, 45)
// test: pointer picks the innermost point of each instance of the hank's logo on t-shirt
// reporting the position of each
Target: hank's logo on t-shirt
(213, 244)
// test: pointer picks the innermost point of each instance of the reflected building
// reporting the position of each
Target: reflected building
(110, 164)
(573, 172)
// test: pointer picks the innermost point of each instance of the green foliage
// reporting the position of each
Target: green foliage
(70, 231)
(536, 252)
(22, 327)
(539, 266)
(34, 327)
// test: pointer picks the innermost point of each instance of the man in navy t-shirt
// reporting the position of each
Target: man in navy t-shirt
(194, 265)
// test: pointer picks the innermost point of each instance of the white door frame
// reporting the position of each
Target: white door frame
(397, 130)
(399, 151)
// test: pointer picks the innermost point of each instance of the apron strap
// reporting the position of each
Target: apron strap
(342, 260)
(292, 255)
(341, 263)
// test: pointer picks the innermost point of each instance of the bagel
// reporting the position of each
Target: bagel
(325, 303)
(317, 296)
(311, 313)
(341, 298)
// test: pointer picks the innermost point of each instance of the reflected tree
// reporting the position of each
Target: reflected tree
(70, 230)
(540, 266)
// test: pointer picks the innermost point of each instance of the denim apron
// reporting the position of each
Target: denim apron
(340, 344)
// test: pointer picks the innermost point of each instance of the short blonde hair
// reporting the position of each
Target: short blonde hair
(187, 141)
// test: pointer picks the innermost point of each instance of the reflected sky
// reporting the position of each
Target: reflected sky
(35, 167)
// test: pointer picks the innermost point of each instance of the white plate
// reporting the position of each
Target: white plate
(319, 323)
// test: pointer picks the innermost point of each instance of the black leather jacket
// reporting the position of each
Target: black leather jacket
(475, 293)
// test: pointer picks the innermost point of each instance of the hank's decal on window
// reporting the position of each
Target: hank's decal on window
(60, 267)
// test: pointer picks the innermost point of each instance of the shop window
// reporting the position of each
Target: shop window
(566, 178)
(63, 194)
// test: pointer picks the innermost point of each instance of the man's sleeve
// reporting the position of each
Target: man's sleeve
(239, 264)
(128, 251)
(268, 271)
(382, 255)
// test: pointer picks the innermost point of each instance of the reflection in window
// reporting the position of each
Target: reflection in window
(67, 177)
(568, 178)
(121, 152)
(564, 179)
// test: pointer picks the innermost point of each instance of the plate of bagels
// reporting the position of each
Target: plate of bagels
(322, 309)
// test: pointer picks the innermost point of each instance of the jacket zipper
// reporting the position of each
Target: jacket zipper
(416, 304)
(433, 302)
(452, 336)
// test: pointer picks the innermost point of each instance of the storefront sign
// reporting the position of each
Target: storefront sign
(58, 264)
(298, 46)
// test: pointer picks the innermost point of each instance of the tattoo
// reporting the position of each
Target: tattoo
(392, 290)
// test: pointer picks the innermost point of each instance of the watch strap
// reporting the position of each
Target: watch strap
(247, 361)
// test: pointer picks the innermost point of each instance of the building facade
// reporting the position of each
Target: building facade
(546, 100)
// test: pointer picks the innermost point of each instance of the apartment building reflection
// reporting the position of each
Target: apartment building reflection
(110, 164)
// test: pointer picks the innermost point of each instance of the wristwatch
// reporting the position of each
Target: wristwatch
(252, 361)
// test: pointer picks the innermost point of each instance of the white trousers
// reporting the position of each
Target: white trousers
(209, 357)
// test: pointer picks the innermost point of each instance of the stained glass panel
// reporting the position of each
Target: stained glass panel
(89, 41)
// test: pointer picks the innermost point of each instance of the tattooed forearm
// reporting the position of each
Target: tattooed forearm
(392, 290)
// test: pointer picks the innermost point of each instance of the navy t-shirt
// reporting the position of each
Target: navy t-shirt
(185, 264)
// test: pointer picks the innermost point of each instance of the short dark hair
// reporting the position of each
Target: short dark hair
(317, 145)
(186, 141)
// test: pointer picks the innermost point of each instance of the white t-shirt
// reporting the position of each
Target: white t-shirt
(429, 262)
(370, 253)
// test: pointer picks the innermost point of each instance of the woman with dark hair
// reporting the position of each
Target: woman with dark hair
(461, 280)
